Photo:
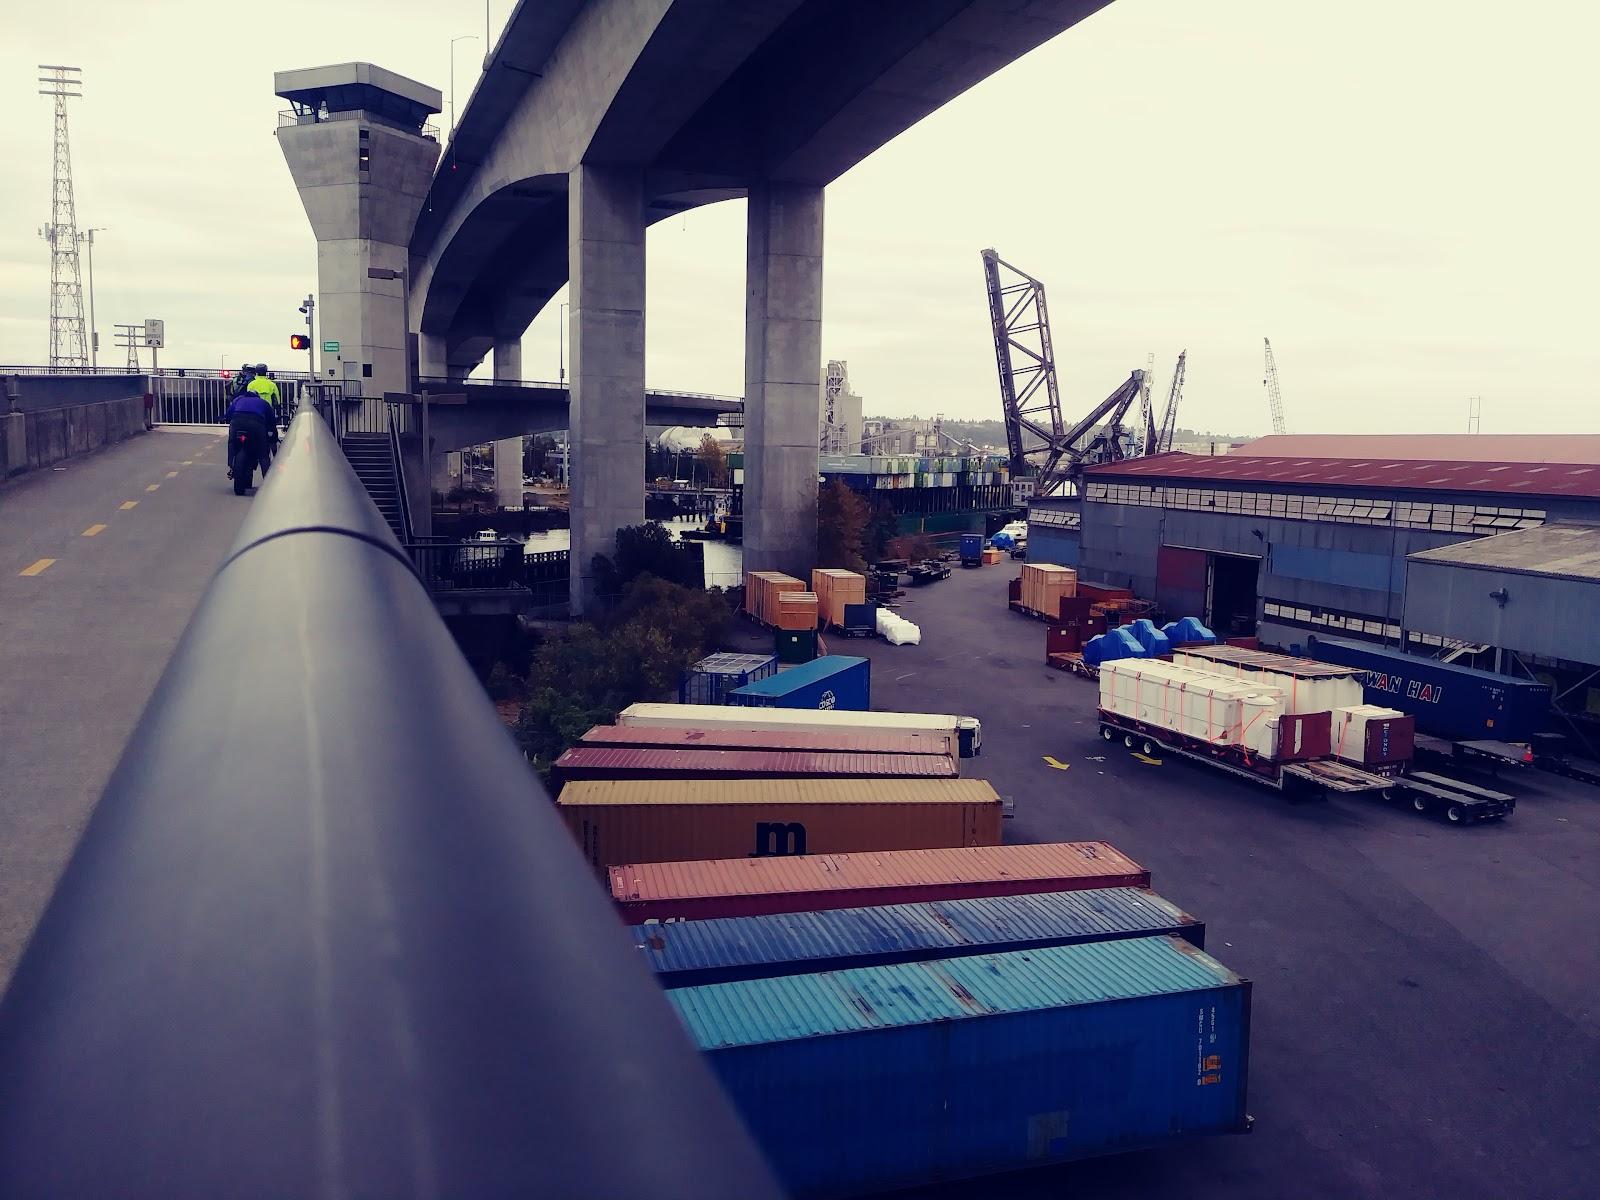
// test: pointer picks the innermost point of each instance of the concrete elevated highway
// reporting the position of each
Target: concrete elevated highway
(595, 118)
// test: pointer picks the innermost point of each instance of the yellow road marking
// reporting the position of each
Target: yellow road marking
(127, 504)
(1149, 762)
(38, 568)
(152, 487)
(172, 474)
(1052, 762)
(94, 531)
(188, 462)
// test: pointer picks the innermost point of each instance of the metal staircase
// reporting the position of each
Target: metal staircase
(372, 457)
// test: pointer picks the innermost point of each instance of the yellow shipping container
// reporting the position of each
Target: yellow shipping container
(675, 820)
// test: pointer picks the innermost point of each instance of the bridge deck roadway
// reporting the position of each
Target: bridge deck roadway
(129, 537)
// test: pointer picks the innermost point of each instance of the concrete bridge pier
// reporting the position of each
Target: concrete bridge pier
(605, 251)
(433, 363)
(508, 451)
(782, 376)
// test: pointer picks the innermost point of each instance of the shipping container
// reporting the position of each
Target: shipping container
(793, 646)
(881, 1078)
(628, 762)
(711, 679)
(861, 741)
(967, 730)
(676, 820)
(761, 592)
(1448, 700)
(737, 887)
(1045, 585)
(797, 611)
(971, 549)
(835, 681)
(836, 588)
(692, 953)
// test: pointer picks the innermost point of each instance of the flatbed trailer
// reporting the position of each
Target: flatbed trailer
(1482, 752)
(1459, 803)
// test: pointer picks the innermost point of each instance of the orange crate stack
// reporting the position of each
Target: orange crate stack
(1045, 585)
(835, 588)
(797, 610)
(761, 592)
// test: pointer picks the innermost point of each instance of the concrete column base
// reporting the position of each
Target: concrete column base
(508, 451)
(782, 377)
(606, 259)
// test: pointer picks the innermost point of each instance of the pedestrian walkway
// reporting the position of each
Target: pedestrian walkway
(102, 560)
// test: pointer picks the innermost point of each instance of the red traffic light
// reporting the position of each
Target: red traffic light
(299, 341)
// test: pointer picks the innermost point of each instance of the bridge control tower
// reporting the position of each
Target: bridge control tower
(362, 154)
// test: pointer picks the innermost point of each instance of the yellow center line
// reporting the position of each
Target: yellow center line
(127, 504)
(172, 474)
(152, 487)
(188, 462)
(37, 568)
(94, 531)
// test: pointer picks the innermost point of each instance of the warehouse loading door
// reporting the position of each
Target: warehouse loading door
(1231, 594)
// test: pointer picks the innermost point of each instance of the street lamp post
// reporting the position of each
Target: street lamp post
(94, 333)
(561, 344)
(465, 37)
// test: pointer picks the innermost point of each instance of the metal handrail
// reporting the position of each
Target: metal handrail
(399, 472)
(324, 933)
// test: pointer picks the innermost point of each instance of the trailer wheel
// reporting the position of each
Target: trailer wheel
(1150, 749)
(1129, 740)
(1455, 814)
(1108, 733)
(1419, 802)
(1386, 794)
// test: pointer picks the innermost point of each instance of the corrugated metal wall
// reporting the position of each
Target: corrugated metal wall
(1052, 544)
(1555, 618)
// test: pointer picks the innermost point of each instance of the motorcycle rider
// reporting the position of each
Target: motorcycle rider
(262, 384)
(252, 418)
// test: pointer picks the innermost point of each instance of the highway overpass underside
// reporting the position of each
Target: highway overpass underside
(594, 118)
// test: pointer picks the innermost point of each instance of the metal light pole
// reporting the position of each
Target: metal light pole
(94, 332)
(488, 46)
(561, 343)
(223, 366)
(309, 307)
(465, 37)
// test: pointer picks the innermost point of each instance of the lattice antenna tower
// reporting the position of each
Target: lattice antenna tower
(69, 343)
(1274, 397)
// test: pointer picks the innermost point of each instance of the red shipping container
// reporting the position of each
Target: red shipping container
(863, 741)
(1062, 640)
(1099, 592)
(1390, 740)
(740, 887)
(627, 762)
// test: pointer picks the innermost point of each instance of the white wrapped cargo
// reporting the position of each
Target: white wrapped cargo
(1195, 704)
(1320, 688)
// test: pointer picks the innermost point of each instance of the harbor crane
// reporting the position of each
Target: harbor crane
(1039, 442)
(1169, 415)
(1274, 397)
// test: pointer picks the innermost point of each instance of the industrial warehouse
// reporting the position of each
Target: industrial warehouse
(1474, 549)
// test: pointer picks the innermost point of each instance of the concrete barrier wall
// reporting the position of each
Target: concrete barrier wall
(30, 440)
(34, 393)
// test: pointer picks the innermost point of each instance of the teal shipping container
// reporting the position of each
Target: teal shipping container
(832, 681)
(901, 1076)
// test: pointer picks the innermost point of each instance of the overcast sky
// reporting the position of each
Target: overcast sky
(1400, 193)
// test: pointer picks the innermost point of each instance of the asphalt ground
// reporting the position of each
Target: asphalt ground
(1426, 1018)
(102, 561)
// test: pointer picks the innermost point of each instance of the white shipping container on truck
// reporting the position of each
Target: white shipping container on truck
(966, 730)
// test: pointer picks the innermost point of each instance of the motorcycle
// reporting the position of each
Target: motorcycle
(249, 452)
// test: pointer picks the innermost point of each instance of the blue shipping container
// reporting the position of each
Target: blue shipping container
(711, 679)
(832, 681)
(899, 1076)
(1447, 700)
(971, 549)
(691, 953)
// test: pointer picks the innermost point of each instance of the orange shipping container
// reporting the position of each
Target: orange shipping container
(835, 588)
(797, 610)
(672, 820)
(761, 592)
(1044, 585)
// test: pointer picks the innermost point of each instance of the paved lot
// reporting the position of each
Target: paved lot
(101, 563)
(1427, 998)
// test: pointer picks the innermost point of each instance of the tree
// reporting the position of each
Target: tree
(841, 527)
(883, 526)
(715, 461)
